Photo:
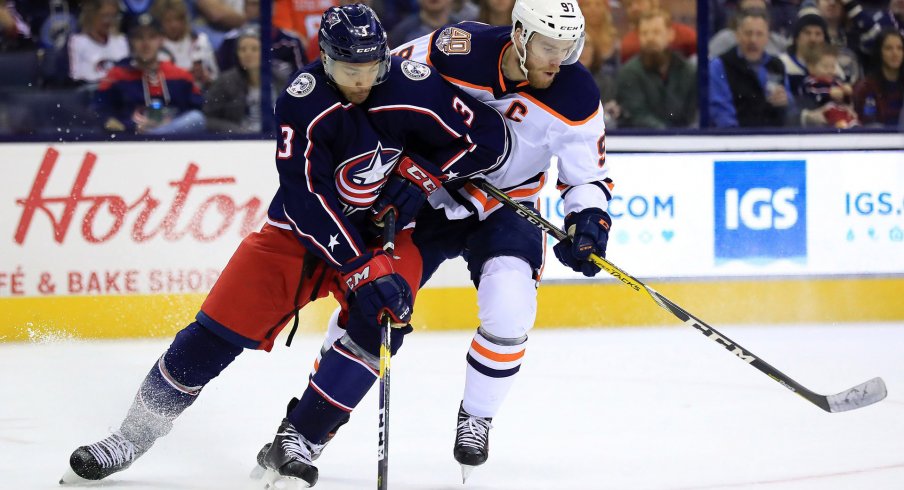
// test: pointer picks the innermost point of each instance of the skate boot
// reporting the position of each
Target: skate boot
(101, 459)
(472, 441)
(287, 462)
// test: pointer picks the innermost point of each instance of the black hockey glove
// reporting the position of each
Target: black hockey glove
(405, 192)
(374, 288)
(588, 232)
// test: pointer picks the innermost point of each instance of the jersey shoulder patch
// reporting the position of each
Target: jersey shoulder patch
(414, 70)
(302, 85)
(453, 40)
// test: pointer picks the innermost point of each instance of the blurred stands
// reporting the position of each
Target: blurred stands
(39, 96)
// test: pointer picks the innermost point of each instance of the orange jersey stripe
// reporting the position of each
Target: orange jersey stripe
(556, 114)
(495, 356)
(501, 78)
(467, 84)
(491, 202)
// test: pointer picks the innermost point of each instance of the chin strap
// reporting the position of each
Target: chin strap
(522, 58)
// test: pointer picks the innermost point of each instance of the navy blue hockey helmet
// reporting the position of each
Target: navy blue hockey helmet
(353, 34)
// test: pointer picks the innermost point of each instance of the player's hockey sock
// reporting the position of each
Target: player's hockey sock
(195, 357)
(345, 375)
(333, 333)
(492, 365)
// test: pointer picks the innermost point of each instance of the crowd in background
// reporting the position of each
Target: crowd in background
(177, 66)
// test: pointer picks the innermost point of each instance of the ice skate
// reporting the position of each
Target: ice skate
(101, 459)
(472, 441)
(287, 462)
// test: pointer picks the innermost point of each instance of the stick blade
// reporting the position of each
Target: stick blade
(859, 396)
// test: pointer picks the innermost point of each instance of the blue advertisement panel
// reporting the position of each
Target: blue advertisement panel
(760, 210)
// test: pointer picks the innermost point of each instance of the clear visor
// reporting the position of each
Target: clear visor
(361, 75)
(548, 50)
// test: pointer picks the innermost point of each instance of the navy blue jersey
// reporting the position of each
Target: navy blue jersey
(334, 157)
(440, 126)
(332, 165)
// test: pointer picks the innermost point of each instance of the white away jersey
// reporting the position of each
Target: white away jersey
(565, 121)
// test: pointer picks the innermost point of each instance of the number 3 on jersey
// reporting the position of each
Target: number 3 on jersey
(464, 110)
(285, 151)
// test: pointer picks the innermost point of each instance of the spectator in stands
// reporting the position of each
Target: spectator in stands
(600, 54)
(836, 21)
(498, 12)
(826, 98)
(465, 10)
(215, 17)
(599, 26)
(747, 86)
(287, 51)
(394, 11)
(810, 33)
(301, 18)
(50, 22)
(684, 43)
(146, 95)
(432, 15)
(221, 15)
(605, 81)
(182, 46)
(657, 89)
(867, 24)
(233, 103)
(725, 39)
(784, 14)
(878, 96)
(15, 34)
(99, 45)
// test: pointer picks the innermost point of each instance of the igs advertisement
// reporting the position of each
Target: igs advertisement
(760, 214)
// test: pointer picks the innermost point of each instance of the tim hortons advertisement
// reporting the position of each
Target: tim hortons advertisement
(123, 218)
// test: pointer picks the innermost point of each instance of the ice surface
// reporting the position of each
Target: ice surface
(622, 409)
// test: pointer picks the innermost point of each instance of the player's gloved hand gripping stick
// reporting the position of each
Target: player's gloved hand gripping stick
(859, 396)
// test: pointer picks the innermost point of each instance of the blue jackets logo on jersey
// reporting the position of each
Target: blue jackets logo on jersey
(414, 70)
(303, 85)
(359, 179)
(761, 210)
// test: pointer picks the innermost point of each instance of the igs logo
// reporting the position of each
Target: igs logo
(761, 210)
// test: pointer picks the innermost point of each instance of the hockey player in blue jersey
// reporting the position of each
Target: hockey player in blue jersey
(337, 176)
(528, 73)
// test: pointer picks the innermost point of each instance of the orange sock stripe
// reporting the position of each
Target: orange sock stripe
(495, 356)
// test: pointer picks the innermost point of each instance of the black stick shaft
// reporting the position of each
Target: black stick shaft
(385, 355)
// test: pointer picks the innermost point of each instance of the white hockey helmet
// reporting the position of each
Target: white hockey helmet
(560, 19)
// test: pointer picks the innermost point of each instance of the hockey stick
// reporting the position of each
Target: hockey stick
(859, 396)
(385, 354)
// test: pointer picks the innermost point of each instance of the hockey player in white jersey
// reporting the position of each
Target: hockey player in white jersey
(529, 74)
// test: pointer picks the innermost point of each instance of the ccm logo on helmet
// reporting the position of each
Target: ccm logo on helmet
(366, 50)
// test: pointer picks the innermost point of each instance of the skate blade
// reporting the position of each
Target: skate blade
(71, 478)
(272, 480)
(466, 470)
